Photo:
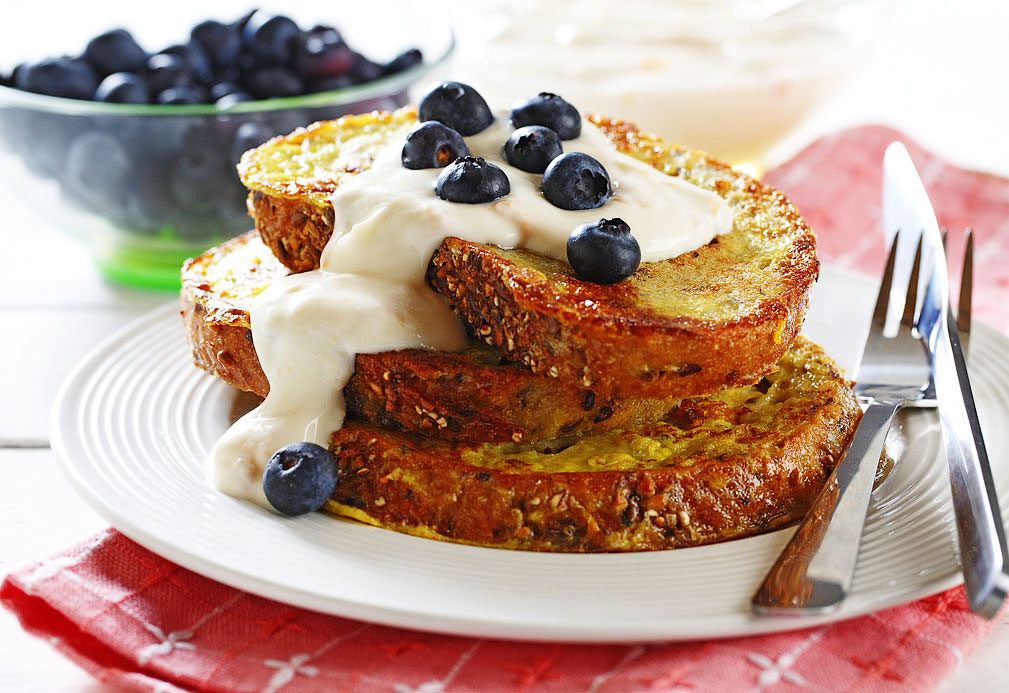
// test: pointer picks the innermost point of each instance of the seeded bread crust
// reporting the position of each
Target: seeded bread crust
(745, 461)
(716, 317)
(470, 396)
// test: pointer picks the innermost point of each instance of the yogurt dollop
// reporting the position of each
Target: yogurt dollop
(369, 294)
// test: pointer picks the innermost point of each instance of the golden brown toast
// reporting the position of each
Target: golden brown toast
(719, 316)
(469, 396)
(727, 466)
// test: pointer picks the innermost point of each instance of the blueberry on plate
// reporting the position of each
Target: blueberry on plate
(432, 145)
(532, 148)
(64, 77)
(457, 105)
(270, 38)
(472, 180)
(300, 478)
(115, 51)
(122, 87)
(549, 110)
(604, 251)
(576, 181)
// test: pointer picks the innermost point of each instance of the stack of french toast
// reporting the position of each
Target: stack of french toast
(674, 408)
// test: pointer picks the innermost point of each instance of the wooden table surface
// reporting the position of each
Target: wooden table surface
(937, 76)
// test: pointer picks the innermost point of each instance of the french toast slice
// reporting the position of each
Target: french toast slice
(730, 465)
(473, 395)
(716, 317)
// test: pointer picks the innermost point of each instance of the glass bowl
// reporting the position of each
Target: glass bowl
(147, 186)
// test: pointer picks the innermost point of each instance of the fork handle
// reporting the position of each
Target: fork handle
(814, 571)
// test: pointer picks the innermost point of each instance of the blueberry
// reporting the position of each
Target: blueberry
(200, 172)
(604, 251)
(334, 83)
(183, 94)
(432, 145)
(457, 105)
(273, 80)
(70, 79)
(197, 62)
(122, 87)
(549, 110)
(472, 180)
(229, 100)
(270, 38)
(44, 139)
(300, 478)
(532, 148)
(166, 70)
(403, 61)
(224, 88)
(115, 51)
(576, 181)
(149, 207)
(363, 69)
(249, 135)
(240, 23)
(98, 171)
(321, 52)
(287, 119)
(220, 42)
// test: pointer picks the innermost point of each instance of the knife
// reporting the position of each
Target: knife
(983, 555)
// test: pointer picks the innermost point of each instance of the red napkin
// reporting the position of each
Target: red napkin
(133, 619)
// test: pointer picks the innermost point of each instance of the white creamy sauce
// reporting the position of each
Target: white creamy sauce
(726, 76)
(369, 294)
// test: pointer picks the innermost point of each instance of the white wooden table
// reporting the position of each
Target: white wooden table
(939, 76)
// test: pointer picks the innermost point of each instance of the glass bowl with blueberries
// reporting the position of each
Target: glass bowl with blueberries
(130, 139)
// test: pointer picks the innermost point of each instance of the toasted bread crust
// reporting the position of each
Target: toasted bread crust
(296, 232)
(291, 177)
(716, 317)
(467, 396)
(739, 463)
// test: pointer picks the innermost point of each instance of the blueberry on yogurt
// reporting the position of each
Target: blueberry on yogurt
(532, 148)
(604, 251)
(457, 105)
(576, 181)
(472, 180)
(432, 145)
(550, 111)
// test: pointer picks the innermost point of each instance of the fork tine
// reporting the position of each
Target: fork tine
(966, 289)
(910, 302)
(883, 298)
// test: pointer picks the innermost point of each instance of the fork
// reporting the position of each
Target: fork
(815, 570)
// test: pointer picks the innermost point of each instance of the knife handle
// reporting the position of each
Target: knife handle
(814, 572)
(983, 554)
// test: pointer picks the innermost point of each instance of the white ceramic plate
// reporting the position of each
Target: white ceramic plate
(135, 419)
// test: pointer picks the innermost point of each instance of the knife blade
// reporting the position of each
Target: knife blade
(983, 554)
